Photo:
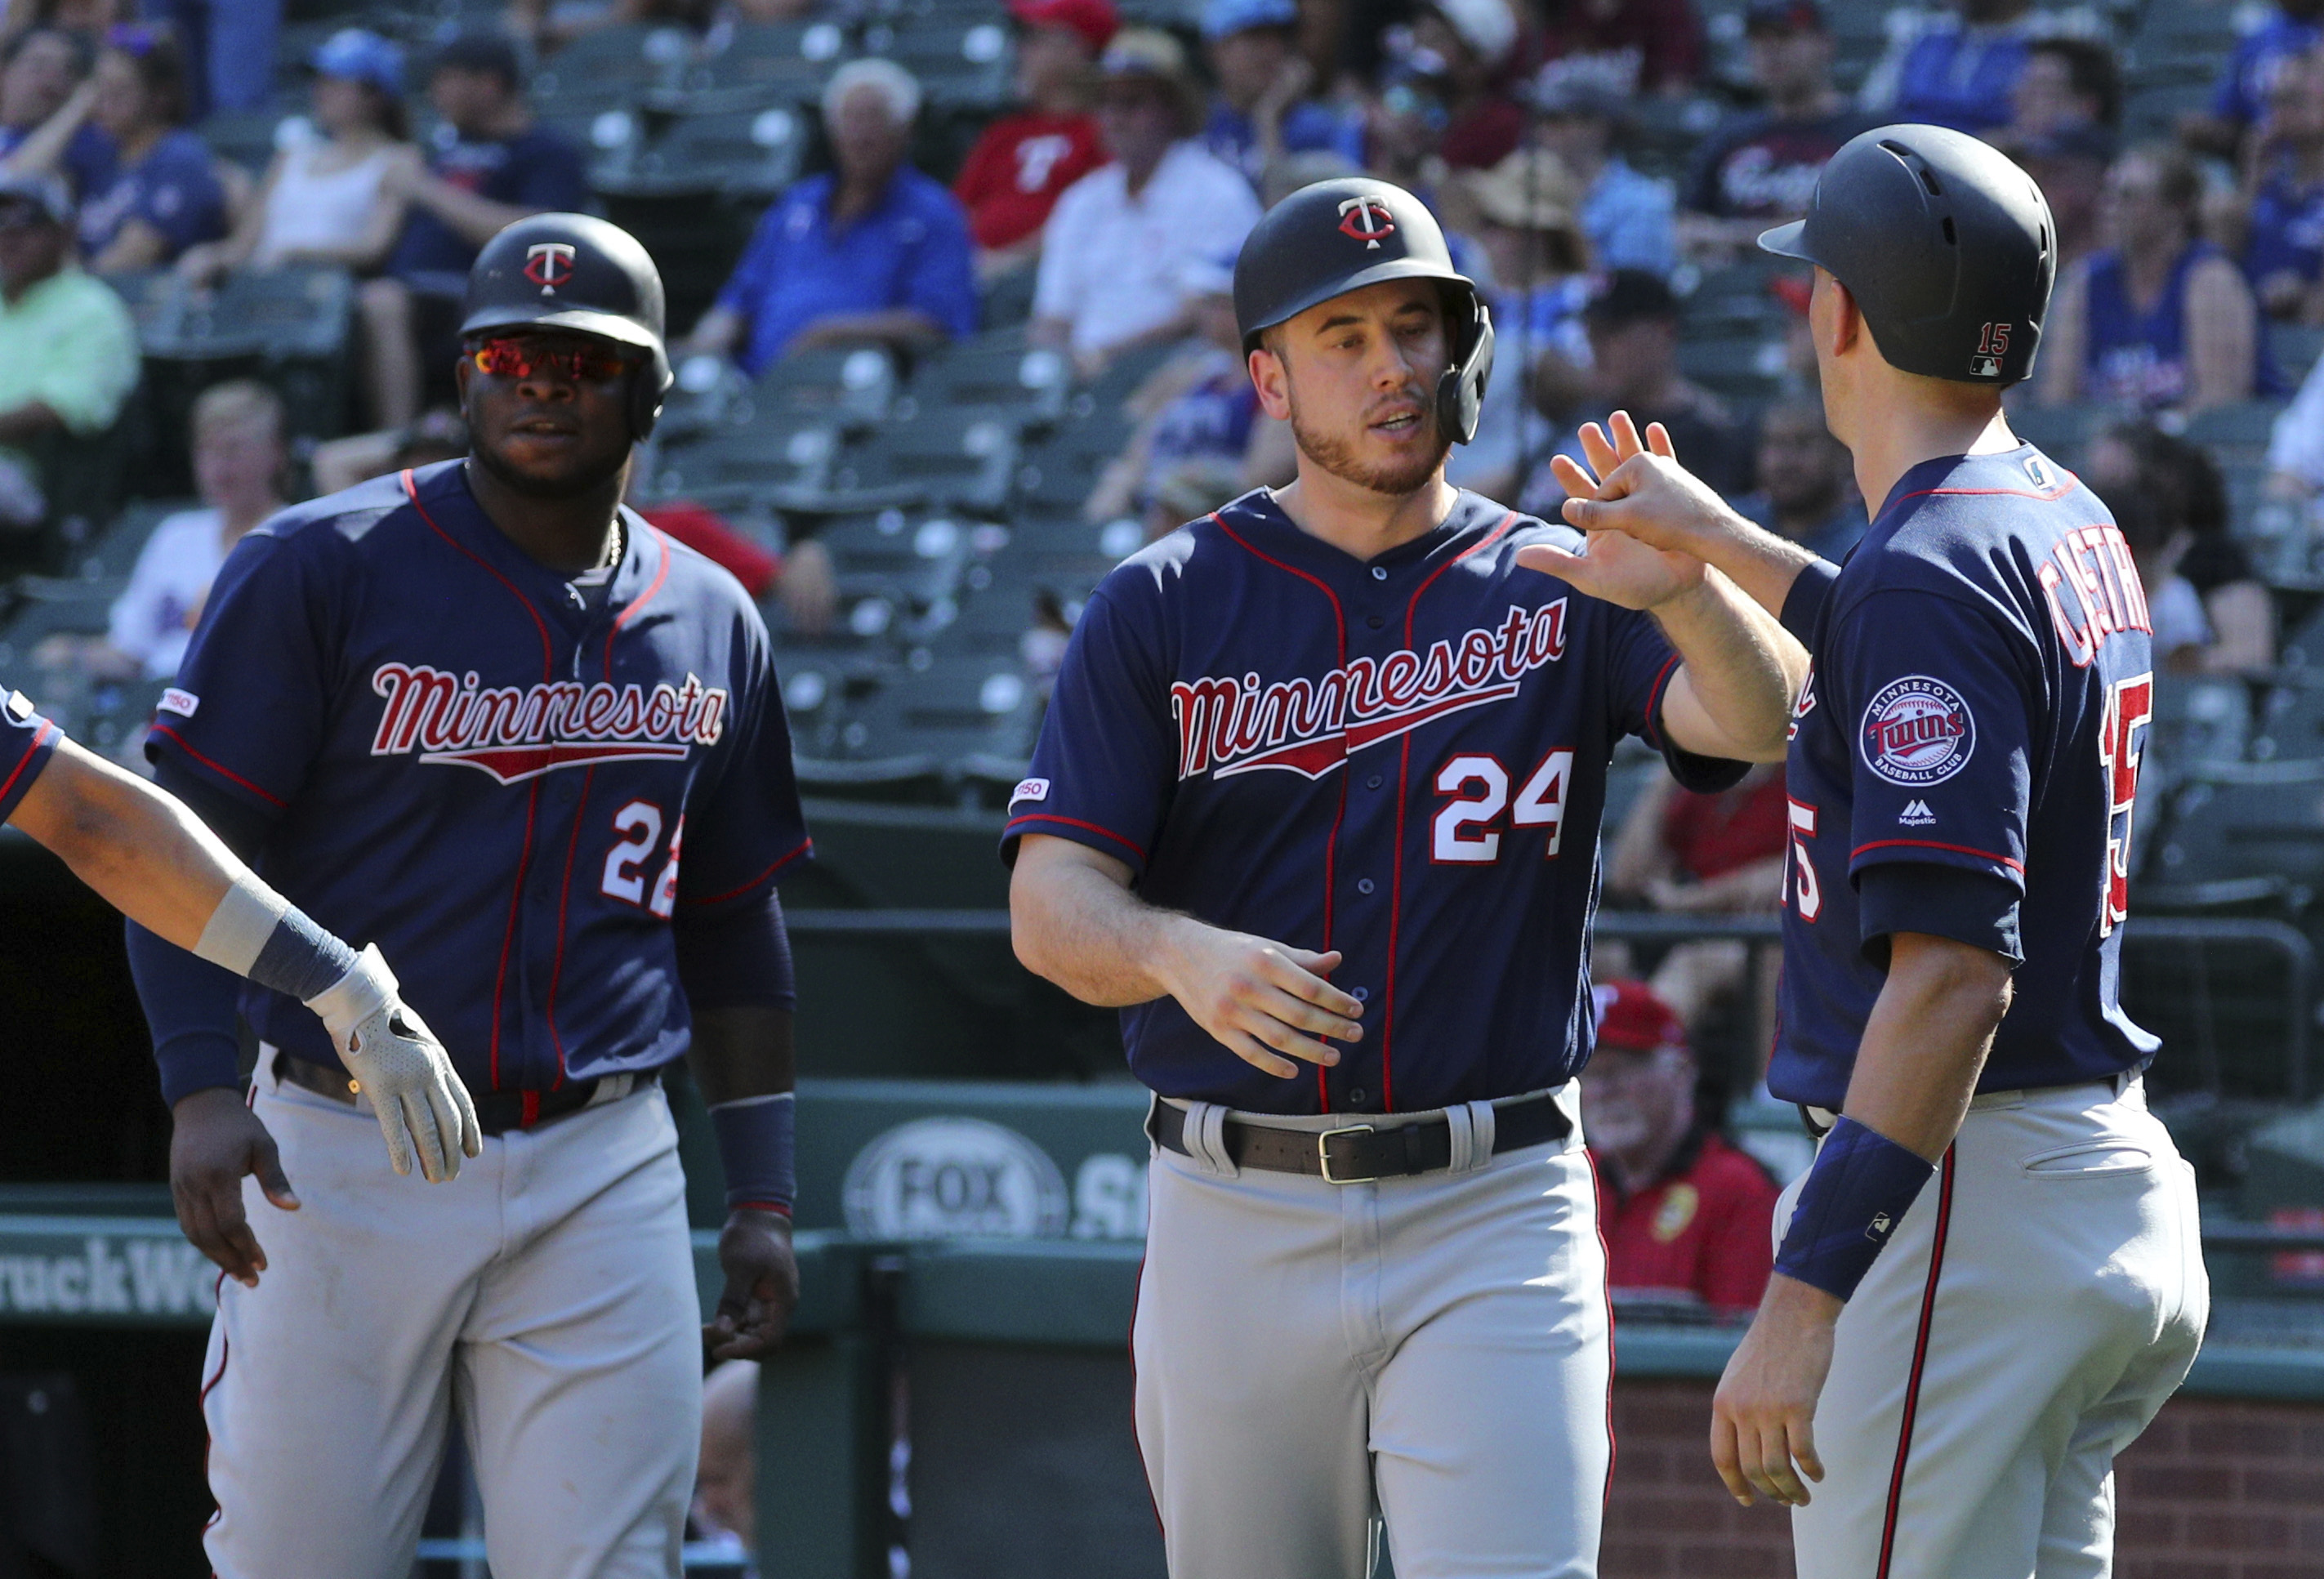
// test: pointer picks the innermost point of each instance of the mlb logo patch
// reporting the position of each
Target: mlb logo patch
(1985, 367)
(1029, 790)
(1917, 731)
(181, 703)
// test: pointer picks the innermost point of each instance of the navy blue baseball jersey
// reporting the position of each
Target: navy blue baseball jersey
(1963, 763)
(27, 741)
(1403, 759)
(507, 780)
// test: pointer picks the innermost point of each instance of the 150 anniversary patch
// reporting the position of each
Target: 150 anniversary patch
(1917, 731)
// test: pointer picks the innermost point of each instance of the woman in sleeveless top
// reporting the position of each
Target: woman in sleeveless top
(2159, 319)
(334, 194)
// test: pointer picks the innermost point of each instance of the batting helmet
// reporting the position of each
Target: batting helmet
(1340, 235)
(571, 271)
(1946, 246)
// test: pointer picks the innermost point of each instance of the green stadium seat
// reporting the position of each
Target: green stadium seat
(1058, 472)
(612, 66)
(110, 553)
(746, 154)
(760, 65)
(297, 310)
(854, 385)
(2293, 347)
(2256, 838)
(914, 560)
(962, 60)
(768, 462)
(997, 374)
(1745, 367)
(957, 459)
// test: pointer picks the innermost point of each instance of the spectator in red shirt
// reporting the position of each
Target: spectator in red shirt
(1652, 46)
(1013, 176)
(1692, 854)
(1685, 1212)
(1462, 49)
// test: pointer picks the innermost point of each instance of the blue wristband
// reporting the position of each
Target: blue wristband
(758, 1144)
(1860, 1187)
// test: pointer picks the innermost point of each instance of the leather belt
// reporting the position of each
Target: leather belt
(497, 1112)
(1382, 1147)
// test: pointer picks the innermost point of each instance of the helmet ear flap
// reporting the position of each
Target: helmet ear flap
(1461, 387)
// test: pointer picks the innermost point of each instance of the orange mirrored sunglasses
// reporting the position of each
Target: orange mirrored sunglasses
(528, 355)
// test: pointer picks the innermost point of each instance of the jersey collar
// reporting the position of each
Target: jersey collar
(2003, 471)
(443, 493)
(1258, 518)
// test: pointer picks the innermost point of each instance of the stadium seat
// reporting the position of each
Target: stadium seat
(2293, 347)
(296, 311)
(1746, 368)
(2258, 837)
(247, 138)
(612, 66)
(966, 460)
(852, 386)
(2235, 434)
(767, 463)
(959, 713)
(759, 64)
(2059, 432)
(2154, 111)
(110, 552)
(52, 606)
(996, 374)
(746, 154)
(962, 61)
(2198, 722)
(913, 560)
(1058, 472)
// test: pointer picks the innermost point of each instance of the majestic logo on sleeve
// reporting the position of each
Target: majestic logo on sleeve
(514, 735)
(1917, 731)
(1310, 726)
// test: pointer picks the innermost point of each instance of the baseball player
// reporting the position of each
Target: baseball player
(482, 712)
(142, 851)
(1991, 1277)
(1317, 803)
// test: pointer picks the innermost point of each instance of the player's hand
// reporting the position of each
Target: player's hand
(398, 1063)
(1644, 513)
(1763, 1415)
(215, 1140)
(1261, 1000)
(762, 1285)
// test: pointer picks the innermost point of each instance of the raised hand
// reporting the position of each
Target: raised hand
(1634, 558)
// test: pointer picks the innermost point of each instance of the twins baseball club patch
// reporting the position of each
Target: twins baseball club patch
(1916, 731)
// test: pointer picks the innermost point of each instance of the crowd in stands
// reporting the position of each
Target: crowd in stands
(1602, 168)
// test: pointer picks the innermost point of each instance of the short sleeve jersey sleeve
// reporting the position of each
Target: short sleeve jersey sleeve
(1939, 704)
(746, 829)
(1106, 762)
(27, 742)
(250, 711)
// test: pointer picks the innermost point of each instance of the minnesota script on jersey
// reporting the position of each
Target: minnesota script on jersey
(509, 785)
(1982, 684)
(1403, 759)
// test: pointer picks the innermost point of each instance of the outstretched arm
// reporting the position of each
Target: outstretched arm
(1741, 670)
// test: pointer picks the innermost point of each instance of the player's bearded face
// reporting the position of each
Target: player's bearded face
(1362, 397)
(550, 436)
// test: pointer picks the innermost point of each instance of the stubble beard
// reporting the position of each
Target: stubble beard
(1395, 479)
(589, 476)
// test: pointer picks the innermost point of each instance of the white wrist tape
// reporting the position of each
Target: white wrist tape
(240, 926)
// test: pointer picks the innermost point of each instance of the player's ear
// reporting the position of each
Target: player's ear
(1844, 324)
(1272, 380)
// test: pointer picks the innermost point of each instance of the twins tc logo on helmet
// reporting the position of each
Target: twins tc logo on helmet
(1917, 731)
(1366, 219)
(548, 265)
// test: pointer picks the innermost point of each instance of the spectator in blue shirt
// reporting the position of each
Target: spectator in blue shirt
(2291, 29)
(40, 70)
(873, 251)
(1960, 70)
(1261, 110)
(488, 164)
(1631, 220)
(2282, 201)
(165, 194)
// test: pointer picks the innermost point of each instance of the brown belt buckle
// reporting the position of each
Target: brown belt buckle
(1323, 1153)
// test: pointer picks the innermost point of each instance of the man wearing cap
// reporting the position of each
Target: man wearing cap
(1119, 239)
(1316, 803)
(1262, 109)
(68, 355)
(488, 165)
(1762, 168)
(1685, 1211)
(874, 250)
(1022, 162)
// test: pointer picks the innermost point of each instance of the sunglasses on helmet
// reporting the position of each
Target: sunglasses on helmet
(530, 355)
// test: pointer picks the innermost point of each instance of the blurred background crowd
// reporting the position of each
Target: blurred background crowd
(950, 296)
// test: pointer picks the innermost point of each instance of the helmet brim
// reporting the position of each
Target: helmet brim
(605, 326)
(1378, 274)
(1788, 241)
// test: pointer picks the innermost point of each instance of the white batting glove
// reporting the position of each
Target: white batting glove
(397, 1062)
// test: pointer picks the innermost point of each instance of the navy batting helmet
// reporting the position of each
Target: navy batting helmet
(1946, 246)
(1340, 235)
(571, 271)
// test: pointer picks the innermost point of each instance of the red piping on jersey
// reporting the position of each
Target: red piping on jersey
(532, 802)
(564, 902)
(218, 767)
(1331, 844)
(47, 728)
(2016, 866)
(1403, 780)
(712, 899)
(1073, 822)
(1654, 701)
(644, 598)
(1920, 1359)
(780, 1209)
(2068, 486)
